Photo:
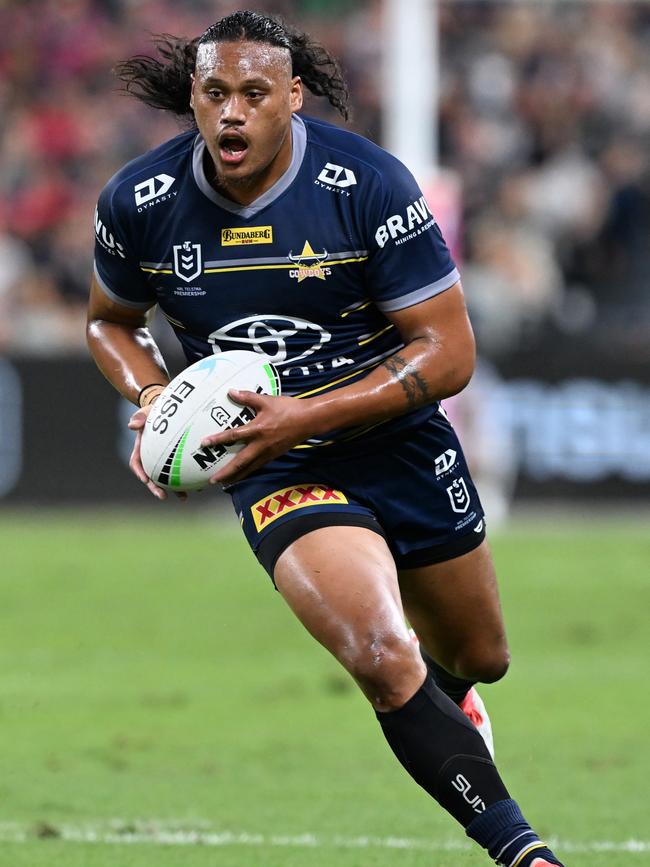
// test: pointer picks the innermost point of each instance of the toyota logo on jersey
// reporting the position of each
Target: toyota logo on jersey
(285, 339)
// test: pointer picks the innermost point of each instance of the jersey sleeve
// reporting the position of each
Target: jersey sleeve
(409, 261)
(116, 267)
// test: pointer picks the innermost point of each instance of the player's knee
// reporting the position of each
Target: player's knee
(481, 665)
(388, 669)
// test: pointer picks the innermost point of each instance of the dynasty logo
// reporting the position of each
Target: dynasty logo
(152, 191)
(309, 264)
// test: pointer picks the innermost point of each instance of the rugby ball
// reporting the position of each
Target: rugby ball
(194, 405)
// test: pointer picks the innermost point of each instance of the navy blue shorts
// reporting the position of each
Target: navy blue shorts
(414, 489)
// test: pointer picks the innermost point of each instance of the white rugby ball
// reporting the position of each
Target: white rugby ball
(194, 405)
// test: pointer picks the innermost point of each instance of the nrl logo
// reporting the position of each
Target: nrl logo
(188, 262)
(310, 264)
(459, 496)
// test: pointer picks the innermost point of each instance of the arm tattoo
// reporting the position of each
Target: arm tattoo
(415, 388)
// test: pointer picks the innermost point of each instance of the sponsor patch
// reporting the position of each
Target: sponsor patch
(286, 340)
(445, 462)
(153, 190)
(417, 218)
(240, 237)
(336, 178)
(287, 500)
(107, 239)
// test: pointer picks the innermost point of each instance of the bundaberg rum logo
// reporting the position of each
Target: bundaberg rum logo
(240, 237)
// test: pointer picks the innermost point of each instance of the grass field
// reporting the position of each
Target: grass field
(159, 706)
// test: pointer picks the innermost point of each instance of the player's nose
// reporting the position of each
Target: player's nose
(233, 110)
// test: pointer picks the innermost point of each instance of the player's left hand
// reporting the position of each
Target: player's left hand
(279, 424)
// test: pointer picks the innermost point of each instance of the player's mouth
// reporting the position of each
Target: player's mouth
(233, 147)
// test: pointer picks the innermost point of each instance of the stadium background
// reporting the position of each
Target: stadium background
(544, 113)
(544, 127)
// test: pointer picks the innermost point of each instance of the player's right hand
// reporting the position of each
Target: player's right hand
(137, 423)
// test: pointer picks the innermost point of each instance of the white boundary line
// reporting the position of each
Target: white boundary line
(198, 832)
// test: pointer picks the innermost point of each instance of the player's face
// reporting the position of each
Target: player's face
(243, 96)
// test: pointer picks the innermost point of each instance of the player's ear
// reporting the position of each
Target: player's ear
(296, 93)
(192, 92)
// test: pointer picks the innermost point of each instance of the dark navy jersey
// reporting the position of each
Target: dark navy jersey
(304, 274)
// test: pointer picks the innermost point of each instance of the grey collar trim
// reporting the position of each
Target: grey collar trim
(299, 141)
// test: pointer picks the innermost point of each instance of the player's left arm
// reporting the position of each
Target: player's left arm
(436, 361)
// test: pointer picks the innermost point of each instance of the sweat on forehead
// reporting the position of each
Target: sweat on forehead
(245, 54)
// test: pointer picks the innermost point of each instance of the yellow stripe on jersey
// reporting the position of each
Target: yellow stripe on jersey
(356, 308)
(173, 321)
(247, 268)
(342, 379)
(314, 445)
(374, 336)
(278, 267)
(353, 436)
(293, 265)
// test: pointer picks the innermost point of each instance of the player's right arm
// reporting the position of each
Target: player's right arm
(123, 348)
(127, 355)
(120, 301)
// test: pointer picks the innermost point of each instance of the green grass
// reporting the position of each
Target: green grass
(148, 671)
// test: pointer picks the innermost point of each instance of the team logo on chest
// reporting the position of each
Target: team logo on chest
(188, 262)
(309, 264)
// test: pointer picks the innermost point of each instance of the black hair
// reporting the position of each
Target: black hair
(166, 83)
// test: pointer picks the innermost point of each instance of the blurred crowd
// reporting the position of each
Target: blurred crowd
(545, 118)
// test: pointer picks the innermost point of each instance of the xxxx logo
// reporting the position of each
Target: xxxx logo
(289, 499)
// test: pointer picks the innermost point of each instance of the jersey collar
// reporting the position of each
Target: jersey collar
(299, 142)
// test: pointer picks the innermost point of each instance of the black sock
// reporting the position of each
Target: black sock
(508, 837)
(444, 753)
(455, 687)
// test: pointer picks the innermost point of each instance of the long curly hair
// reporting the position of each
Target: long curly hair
(165, 82)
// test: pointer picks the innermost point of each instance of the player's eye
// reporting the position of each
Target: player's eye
(215, 94)
(254, 94)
